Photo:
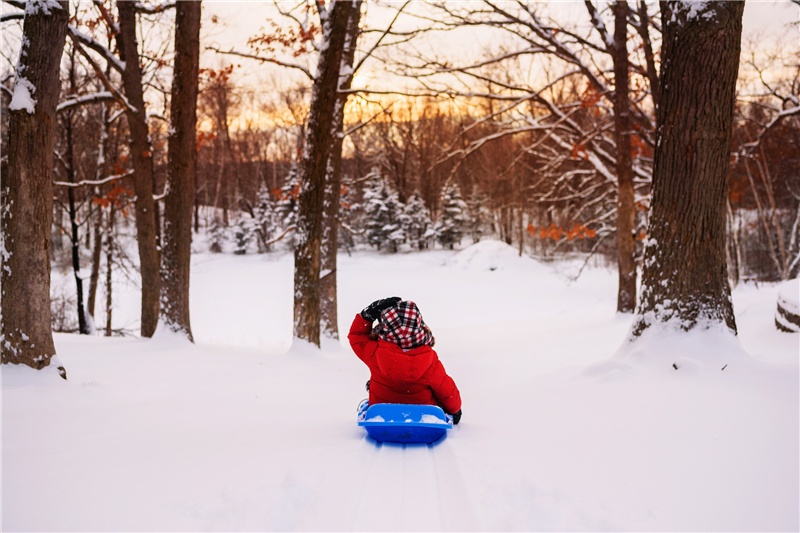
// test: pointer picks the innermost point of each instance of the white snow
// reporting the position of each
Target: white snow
(34, 7)
(564, 428)
(432, 419)
(22, 98)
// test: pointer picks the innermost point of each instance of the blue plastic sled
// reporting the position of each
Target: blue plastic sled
(404, 423)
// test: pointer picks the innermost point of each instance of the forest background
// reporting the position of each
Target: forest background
(462, 120)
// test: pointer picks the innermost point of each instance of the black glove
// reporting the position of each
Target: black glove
(373, 311)
(457, 417)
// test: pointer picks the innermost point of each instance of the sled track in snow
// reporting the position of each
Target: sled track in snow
(377, 487)
(413, 488)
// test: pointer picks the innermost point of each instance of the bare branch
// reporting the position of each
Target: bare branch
(263, 59)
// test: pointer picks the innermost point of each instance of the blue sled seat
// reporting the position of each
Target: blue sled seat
(404, 423)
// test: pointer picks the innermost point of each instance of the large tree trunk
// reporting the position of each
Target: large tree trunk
(176, 252)
(626, 291)
(685, 278)
(26, 211)
(307, 256)
(333, 187)
(141, 154)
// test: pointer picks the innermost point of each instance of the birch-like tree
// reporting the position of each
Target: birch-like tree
(26, 209)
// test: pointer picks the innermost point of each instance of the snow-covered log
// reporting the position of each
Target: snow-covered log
(787, 315)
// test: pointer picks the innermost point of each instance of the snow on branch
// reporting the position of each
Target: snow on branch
(103, 181)
(86, 99)
(148, 9)
(104, 79)
(749, 148)
(90, 42)
(600, 26)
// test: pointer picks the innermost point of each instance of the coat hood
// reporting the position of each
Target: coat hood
(402, 324)
(403, 365)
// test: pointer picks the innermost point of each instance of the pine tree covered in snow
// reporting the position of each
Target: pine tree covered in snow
(350, 217)
(383, 212)
(287, 202)
(418, 224)
(450, 227)
(264, 219)
(396, 223)
(286, 208)
(242, 234)
(477, 214)
(217, 235)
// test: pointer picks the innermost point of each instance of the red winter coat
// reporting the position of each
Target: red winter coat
(414, 376)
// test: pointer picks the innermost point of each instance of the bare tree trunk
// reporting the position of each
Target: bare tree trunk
(176, 252)
(103, 152)
(109, 267)
(307, 256)
(626, 291)
(83, 327)
(333, 187)
(26, 210)
(685, 278)
(142, 156)
(734, 260)
(767, 181)
(764, 222)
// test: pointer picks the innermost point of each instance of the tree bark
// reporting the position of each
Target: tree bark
(333, 187)
(141, 154)
(182, 150)
(26, 211)
(626, 265)
(685, 278)
(307, 256)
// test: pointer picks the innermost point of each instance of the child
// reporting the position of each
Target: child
(403, 366)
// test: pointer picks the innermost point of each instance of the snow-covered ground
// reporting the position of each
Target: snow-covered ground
(562, 429)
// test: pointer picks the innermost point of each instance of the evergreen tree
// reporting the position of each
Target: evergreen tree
(287, 203)
(384, 215)
(242, 234)
(477, 214)
(264, 219)
(450, 227)
(286, 208)
(418, 224)
(375, 211)
(217, 235)
(395, 221)
(351, 214)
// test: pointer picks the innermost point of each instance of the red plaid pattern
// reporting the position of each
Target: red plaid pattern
(403, 325)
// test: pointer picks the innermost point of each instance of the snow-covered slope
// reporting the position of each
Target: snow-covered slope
(562, 428)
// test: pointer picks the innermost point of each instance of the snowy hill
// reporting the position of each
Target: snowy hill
(563, 429)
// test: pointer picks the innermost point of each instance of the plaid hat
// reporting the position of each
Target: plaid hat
(403, 325)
